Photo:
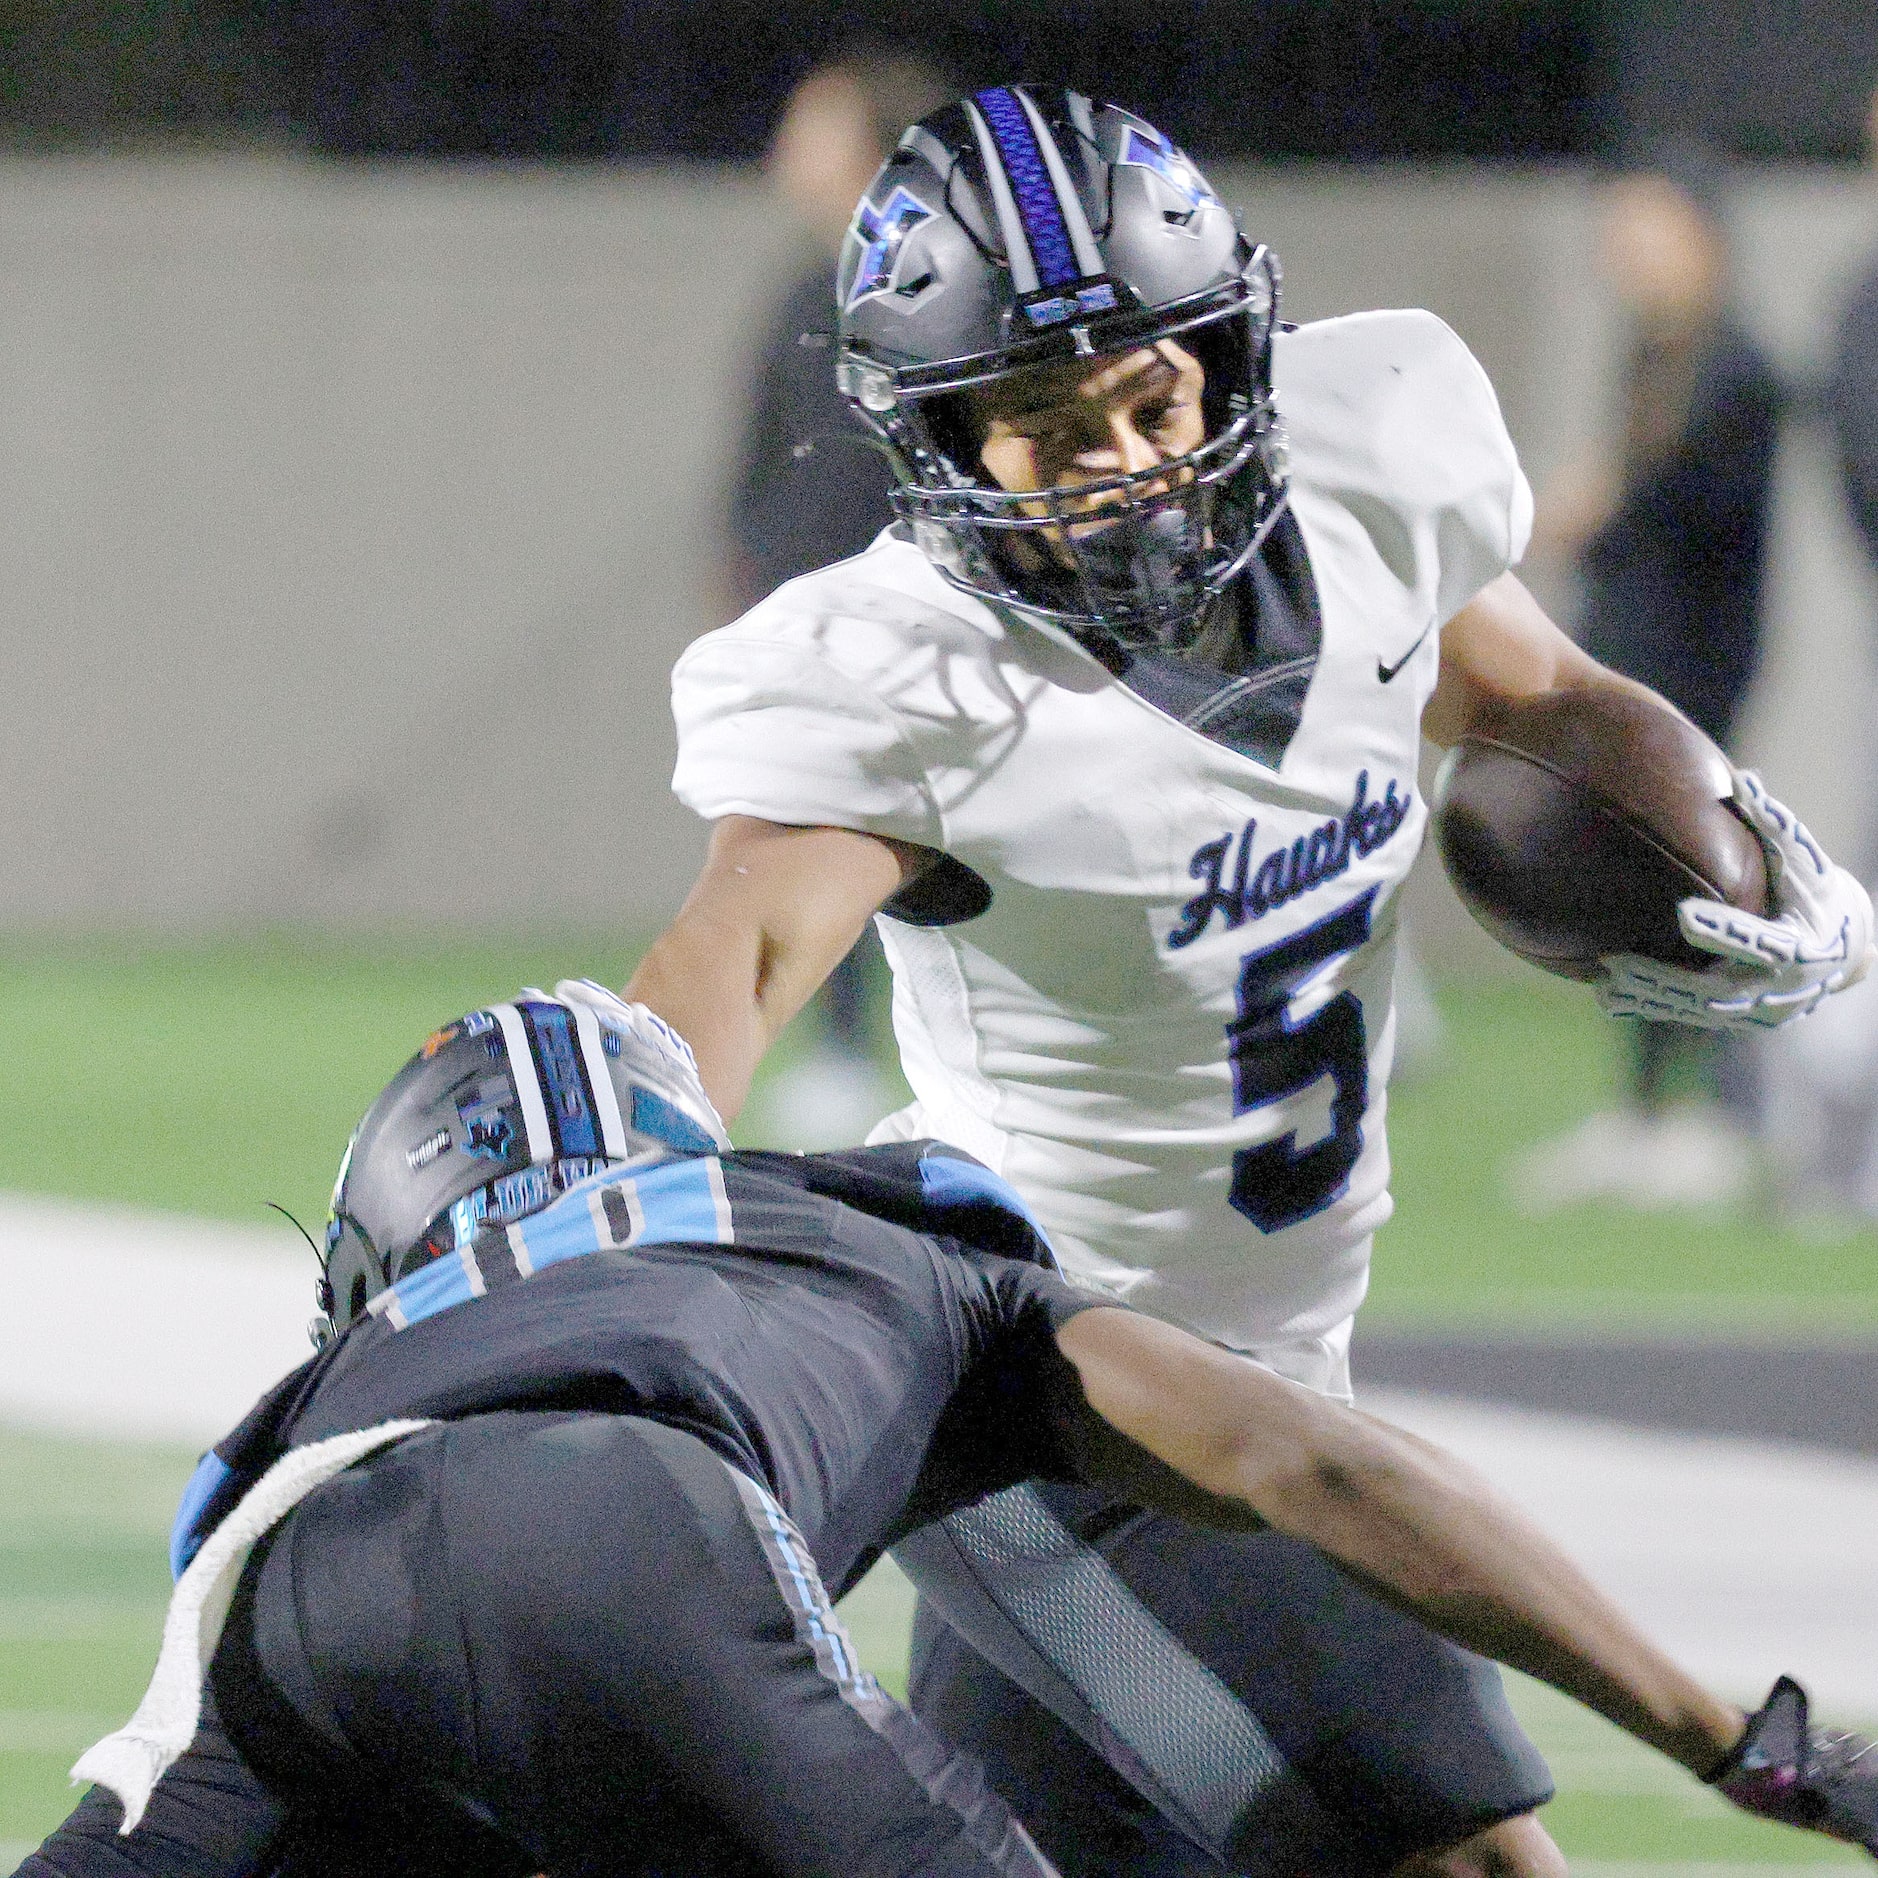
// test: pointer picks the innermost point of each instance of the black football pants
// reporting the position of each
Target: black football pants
(546, 1642)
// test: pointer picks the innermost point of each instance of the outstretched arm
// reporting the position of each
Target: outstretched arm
(772, 913)
(1412, 1522)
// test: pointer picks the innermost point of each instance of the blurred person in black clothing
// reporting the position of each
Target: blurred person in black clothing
(1670, 551)
(811, 488)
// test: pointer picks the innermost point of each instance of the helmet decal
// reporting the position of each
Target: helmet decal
(570, 1109)
(1014, 159)
(654, 1116)
(527, 1077)
(884, 230)
(1153, 152)
(482, 1109)
(1049, 246)
(596, 1046)
(427, 1150)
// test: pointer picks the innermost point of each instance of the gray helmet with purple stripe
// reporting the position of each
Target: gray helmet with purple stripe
(498, 1115)
(1020, 228)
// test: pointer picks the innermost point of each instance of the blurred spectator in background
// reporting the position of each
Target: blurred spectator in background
(1852, 389)
(1823, 1085)
(811, 488)
(1670, 545)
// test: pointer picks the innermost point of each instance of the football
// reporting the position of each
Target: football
(1572, 824)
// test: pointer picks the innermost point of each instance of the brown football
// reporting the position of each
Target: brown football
(1572, 824)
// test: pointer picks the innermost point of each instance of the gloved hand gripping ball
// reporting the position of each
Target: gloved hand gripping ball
(1818, 940)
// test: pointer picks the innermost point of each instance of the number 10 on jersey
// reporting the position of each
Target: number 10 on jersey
(1275, 1058)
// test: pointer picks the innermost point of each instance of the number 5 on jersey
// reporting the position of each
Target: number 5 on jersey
(1274, 1058)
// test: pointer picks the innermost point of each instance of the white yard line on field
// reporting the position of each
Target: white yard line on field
(143, 1327)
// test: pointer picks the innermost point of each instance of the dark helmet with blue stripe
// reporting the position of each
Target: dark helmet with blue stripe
(494, 1118)
(1023, 228)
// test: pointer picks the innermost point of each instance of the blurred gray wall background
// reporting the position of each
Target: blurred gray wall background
(351, 517)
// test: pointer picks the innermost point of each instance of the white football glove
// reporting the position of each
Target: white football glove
(655, 1053)
(1771, 970)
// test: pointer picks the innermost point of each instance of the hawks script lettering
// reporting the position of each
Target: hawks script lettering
(1284, 873)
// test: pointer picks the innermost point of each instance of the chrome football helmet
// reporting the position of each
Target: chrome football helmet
(1020, 228)
(494, 1118)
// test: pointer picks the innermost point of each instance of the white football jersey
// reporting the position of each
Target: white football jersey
(1171, 1027)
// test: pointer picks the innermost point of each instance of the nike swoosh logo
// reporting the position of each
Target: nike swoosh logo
(1387, 672)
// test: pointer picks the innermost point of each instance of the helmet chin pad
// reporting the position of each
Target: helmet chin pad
(1143, 573)
(1144, 558)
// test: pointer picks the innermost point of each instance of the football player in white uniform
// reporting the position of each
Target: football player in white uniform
(1116, 732)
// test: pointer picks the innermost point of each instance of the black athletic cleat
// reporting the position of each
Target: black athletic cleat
(1802, 1776)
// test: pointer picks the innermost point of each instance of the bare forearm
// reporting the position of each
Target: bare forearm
(703, 980)
(768, 919)
(1432, 1539)
(1410, 1521)
(1499, 649)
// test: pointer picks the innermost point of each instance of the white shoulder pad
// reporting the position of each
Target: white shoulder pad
(793, 713)
(1391, 415)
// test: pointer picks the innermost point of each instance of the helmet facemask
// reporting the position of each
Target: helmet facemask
(1025, 229)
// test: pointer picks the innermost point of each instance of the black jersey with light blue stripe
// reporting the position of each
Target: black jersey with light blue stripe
(868, 1334)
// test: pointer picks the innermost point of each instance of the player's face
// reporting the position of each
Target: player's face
(1065, 425)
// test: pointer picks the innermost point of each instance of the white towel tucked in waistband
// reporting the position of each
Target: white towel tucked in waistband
(133, 1760)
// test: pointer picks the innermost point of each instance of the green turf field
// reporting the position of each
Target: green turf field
(83, 1579)
(1524, 1058)
(213, 1078)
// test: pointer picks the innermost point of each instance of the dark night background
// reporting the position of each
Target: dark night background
(1281, 80)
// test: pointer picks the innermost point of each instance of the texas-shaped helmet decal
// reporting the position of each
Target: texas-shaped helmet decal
(884, 231)
(1150, 151)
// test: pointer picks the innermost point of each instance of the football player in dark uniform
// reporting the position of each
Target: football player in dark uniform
(529, 1568)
